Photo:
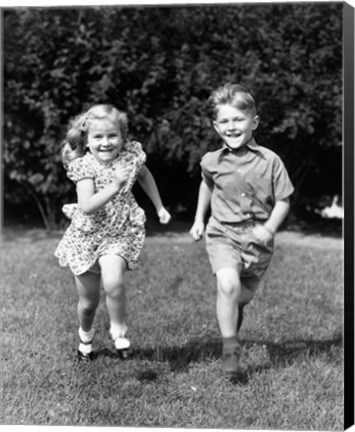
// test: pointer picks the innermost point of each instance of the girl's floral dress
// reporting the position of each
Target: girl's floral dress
(115, 229)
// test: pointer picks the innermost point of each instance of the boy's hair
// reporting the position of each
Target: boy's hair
(231, 94)
(74, 145)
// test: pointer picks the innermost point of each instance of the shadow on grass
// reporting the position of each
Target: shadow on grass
(180, 357)
(105, 352)
(285, 353)
(198, 350)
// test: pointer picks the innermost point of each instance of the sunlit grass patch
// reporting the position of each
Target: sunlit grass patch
(292, 344)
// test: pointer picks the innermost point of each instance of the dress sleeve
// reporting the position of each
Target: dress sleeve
(80, 169)
(136, 148)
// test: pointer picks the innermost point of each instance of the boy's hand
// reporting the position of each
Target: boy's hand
(164, 216)
(197, 230)
(263, 234)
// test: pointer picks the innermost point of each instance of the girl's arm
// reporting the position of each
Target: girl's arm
(148, 184)
(90, 201)
(203, 203)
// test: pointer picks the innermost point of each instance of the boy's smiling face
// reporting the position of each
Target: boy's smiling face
(235, 126)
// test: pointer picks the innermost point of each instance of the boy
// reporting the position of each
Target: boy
(248, 189)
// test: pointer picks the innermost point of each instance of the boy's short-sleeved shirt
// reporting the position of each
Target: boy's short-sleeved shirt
(245, 183)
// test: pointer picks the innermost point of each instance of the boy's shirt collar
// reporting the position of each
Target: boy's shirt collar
(252, 145)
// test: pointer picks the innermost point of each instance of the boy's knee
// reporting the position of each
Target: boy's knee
(249, 288)
(228, 283)
(246, 296)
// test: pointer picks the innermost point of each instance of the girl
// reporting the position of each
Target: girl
(107, 230)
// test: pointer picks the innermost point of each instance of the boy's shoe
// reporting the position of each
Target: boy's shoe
(240, 316)
(231, 359)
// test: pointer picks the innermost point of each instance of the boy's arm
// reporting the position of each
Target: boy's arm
(277, 216)
(203, 203)
(148, 184)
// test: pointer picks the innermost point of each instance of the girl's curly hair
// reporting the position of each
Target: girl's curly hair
(74, 144)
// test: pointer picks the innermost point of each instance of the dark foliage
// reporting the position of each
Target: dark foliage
(160, 65)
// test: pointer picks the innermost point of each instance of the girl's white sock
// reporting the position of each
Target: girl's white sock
(86, 337)
(118, 330)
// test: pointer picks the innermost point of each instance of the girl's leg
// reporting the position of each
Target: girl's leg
(113, 268)
(88, 286)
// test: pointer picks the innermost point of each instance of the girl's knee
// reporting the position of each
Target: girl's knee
(113, 285)
(87, 307)
(112, 271)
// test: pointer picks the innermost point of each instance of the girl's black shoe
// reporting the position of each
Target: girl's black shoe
(85, 358)
(122, 353)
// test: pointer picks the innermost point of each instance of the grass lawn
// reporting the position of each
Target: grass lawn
(291, 338)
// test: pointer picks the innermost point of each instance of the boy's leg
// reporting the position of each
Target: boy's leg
(113, 268)
(256, 259)
(249, 287)
(88, 286)
(229, 291)
(240, 317)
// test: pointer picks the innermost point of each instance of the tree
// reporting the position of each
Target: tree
(160, 65)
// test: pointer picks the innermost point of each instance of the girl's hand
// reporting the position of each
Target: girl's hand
(263, 234)
(164, 216)
(197, 230)
(120, 176)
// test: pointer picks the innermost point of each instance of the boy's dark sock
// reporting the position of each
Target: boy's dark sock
(230, 342)
(231, 355)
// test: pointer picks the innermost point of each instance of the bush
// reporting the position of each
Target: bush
(160, 65)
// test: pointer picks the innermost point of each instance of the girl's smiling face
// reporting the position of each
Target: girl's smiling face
(104, 140)
(235, 126)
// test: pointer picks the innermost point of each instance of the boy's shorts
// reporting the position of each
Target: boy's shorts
(234, 246)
